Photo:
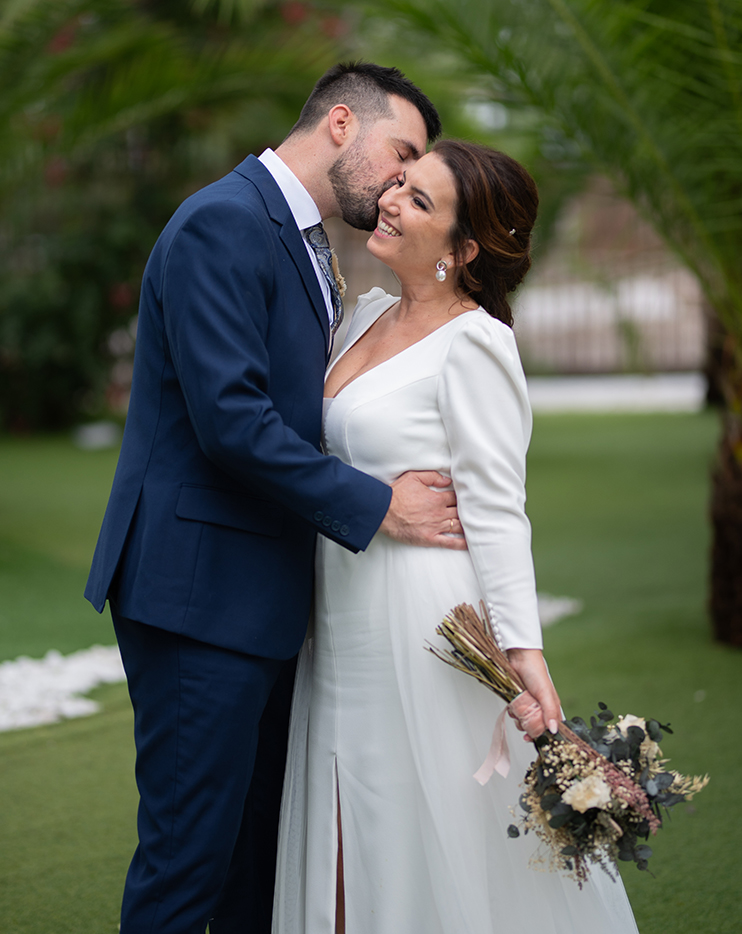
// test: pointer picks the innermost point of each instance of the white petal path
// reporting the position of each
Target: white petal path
(36, 691)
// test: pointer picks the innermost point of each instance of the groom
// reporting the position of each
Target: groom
(206, 550)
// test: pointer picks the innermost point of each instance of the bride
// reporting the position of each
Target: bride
(383, 828)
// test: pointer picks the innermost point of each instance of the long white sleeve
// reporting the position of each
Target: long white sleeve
(484, 404)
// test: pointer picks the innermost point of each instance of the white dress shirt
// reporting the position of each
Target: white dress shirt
(304, 210)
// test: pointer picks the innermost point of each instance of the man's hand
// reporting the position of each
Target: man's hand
(538, 708)
(419, 515)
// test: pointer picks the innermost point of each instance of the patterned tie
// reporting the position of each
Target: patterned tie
(318, 241)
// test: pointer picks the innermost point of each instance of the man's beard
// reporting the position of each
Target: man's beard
(356, 194)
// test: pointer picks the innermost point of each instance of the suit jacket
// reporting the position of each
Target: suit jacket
(220, 487)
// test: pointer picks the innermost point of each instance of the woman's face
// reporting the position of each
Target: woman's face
(415, 219)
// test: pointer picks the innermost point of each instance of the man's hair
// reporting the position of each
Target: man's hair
(365, 88)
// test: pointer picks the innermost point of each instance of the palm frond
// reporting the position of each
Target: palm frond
(648, 91)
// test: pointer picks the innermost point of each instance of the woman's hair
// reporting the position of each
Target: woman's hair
(496, 195)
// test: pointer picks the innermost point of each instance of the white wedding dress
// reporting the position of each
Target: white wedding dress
(380, 727)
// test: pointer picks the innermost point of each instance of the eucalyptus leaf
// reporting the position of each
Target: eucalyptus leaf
(561, 807)
(668, 800)
(655, 730)
(548, 802)
(620, 750)
(559, 820)
(578, 726)
(546, 780)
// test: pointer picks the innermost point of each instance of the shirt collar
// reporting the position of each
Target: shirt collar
(300, 202)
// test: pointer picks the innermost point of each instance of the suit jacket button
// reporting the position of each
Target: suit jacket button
(335, 526)
(318, 516)
(344, 530)
(327, 520)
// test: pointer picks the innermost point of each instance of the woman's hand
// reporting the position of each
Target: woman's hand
(538, 708)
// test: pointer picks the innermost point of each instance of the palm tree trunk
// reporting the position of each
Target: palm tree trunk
(713, 368)
(725, 599)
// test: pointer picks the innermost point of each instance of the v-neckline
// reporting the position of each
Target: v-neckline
(368, 327)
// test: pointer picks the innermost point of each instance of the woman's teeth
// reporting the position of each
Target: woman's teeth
(386, 229)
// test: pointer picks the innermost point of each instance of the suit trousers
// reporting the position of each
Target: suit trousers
(210, 727)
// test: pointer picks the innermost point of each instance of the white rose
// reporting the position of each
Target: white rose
(630, 720)
(648, 749)
(591, 792)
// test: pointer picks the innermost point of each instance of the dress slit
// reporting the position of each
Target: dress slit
(339, 871)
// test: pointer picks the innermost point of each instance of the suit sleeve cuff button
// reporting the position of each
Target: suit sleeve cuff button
(319, 516)
(344, 529)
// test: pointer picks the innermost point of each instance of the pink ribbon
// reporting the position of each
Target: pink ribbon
(498, 758)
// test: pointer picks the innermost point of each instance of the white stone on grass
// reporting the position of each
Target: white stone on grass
(34, 691)
(552, 609)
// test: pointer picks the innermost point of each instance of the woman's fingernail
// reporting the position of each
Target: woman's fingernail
(553, 728)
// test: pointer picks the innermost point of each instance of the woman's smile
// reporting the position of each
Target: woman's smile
(385, 229)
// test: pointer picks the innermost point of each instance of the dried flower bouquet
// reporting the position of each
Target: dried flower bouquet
(593, 792)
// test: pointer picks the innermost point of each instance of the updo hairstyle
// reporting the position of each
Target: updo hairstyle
(495, 195)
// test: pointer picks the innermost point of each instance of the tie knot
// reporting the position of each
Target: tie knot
(317, 237)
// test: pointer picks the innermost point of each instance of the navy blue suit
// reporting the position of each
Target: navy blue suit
(207, 544)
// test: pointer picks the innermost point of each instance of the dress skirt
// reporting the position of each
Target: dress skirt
(392, 736)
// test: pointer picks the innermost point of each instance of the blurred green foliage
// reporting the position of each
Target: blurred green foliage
(647, 92)
(111, 112)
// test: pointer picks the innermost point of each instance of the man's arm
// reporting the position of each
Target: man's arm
(218, 291)
(218, 275)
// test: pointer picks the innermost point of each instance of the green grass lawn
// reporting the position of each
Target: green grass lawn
(618, 506)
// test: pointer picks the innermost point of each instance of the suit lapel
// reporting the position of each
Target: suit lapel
(280, 214)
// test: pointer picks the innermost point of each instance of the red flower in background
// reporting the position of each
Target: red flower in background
(64, 38)
(334, 27)
(294, 12)
(55, 172)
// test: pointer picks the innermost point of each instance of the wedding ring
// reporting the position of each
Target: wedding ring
(451, 529)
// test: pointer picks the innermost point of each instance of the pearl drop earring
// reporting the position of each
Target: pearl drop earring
(441, 268)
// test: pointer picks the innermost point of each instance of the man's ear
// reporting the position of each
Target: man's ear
(342, 123)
